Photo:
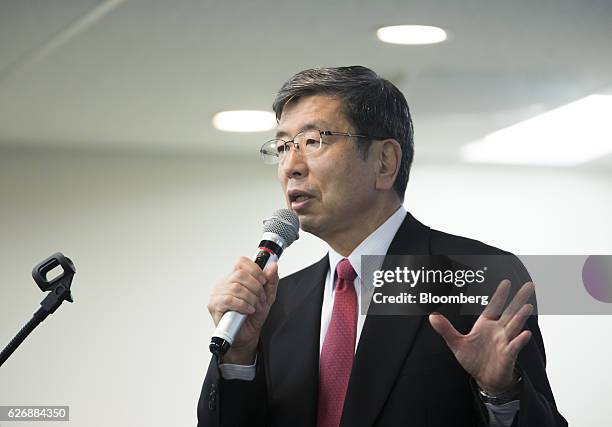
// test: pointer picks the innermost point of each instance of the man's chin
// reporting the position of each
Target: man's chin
(308, 223)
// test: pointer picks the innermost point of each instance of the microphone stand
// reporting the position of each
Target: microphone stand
(59, 290)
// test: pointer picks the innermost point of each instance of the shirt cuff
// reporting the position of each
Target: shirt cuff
(502, 415)
(238, 372)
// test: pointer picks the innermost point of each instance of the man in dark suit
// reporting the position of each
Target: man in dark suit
(305, 356)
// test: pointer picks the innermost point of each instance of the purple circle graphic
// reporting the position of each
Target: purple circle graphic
(597, 277)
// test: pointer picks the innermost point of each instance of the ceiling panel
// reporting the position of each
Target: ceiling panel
(149, 75)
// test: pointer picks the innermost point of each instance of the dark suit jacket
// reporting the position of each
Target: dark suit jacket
(403, 372)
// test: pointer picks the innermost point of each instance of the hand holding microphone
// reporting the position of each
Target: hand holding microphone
(240, 303)
(248, 291)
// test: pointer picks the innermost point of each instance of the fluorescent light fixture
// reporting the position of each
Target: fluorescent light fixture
(244, 121)
(566, 136)
(411, 34)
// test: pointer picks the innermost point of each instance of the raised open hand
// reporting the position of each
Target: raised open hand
(489, 351)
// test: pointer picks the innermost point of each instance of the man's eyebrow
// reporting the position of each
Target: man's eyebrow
(308, 126)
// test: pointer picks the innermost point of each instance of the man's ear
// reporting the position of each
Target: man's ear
(389, 155)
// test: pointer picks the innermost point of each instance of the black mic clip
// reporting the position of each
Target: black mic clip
(59, 286)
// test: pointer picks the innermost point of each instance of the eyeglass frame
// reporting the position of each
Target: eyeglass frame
(296, 146)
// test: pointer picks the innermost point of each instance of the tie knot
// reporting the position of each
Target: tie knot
(346, 271)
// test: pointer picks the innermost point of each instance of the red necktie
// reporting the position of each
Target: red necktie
(338, 349)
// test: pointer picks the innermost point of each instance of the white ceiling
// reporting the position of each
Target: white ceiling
(149, 74)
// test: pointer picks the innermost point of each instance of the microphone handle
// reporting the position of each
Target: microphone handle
(232, 321)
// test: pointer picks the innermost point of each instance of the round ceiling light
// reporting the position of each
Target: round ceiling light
(411, 34)
(244, 121)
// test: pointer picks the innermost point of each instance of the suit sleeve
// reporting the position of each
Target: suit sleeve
(232, 403)
(537, 405)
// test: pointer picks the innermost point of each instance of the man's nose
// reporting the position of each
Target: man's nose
(294, 164)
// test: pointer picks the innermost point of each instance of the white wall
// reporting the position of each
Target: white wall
(150, 236)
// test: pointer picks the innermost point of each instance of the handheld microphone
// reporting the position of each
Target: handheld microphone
(279, 231)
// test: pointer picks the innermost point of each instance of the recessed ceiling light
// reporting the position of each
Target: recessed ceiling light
(569, 135)
(244, 121)
(411, 34)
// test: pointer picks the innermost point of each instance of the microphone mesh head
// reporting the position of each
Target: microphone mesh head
(284, 223)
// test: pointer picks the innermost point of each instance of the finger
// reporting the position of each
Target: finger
(225, 303)
(238, 290)
(517, 344)
(251, 268)
(245, 279)
(495, 307)
(271, 287)
(442, 326)
(516, 324)
(519, 300)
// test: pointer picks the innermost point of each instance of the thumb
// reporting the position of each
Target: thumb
(442, 326)
(271, 273)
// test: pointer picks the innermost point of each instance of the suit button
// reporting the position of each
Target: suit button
(212, 398)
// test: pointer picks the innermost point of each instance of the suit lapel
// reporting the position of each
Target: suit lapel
(296, 346)
(384, 343)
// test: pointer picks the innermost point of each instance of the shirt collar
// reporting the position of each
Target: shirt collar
(376, 243)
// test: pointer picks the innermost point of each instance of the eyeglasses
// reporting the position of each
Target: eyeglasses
(306, 142)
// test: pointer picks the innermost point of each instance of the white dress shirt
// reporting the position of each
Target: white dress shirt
(376, 243)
